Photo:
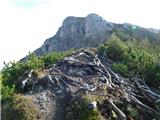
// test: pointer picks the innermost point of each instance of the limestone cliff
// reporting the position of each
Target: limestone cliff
(90, 31)
(78, 32)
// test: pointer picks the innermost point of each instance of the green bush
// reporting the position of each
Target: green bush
(34, 62)
(140, 58)
(121, 68)
(51, 58)
(19, 108)
(79, 111)
(13, 70)
(115, 48)
(6, 91)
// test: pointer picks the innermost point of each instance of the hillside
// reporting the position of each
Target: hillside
(113, 73)
(120, 78)
(90, 31)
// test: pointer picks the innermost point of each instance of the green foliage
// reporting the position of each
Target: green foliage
(121, 68)
(6, 91)
(123, 35)
(34, 62)
(128, 32)
(51, 58)
(153, 74)
(9, 76)
(13, 70)
(115, 48)
(134, 57)
(80, 111)
(19, 108)
(131, 112)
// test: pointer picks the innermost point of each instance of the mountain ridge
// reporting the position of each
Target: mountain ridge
(90, 31)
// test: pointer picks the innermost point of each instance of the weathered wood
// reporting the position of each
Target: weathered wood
(130, 90)
(117, 110)
(145, 107)
(50, 78)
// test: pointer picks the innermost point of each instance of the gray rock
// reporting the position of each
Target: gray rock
(90, 31)
(78, 32)
(102, 79)
(59, 92)
(92, 105)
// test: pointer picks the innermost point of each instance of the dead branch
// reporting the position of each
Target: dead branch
(145, 107)
(50, 78)
(117, 110)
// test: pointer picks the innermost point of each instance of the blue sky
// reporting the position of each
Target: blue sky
(26, 24)
(28, 4)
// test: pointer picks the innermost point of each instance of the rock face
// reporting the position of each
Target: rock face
(90, 31)
(78, 32)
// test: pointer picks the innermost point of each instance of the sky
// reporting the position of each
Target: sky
(26, 24)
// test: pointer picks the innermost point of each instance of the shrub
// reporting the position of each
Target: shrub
(13, 70)
(51, 58)
(6, 91)
(115, 48)
(79, 111)
(140, 58)
(34, 62)
(19, 108)
(121, 68)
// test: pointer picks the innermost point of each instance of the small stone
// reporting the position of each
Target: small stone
(35, 100)
(102, 79)
(43, 106)
(30, 92)
(42, 111)
(59, 91)
(92, 105)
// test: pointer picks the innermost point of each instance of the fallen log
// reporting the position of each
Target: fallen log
(145, 90)
(145, 107)
(117, 110)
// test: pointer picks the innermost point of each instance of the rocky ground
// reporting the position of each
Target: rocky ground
(83, 73)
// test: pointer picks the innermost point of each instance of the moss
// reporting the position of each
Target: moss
(19, 108)
(78, 110)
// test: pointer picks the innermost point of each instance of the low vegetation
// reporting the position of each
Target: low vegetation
(79, 110)
(20, 108)
(134, 58)
(13, 70)
(131, 58)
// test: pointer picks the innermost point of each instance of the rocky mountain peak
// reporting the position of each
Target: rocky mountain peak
(90, 31)
(78, 32)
